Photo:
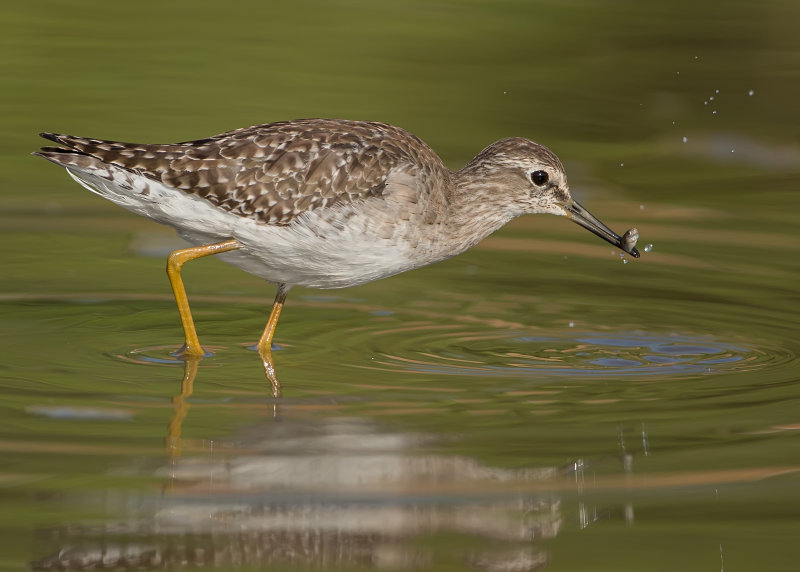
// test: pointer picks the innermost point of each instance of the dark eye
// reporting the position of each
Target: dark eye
(539, 178)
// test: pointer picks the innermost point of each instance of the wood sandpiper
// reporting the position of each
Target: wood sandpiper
(321, 203)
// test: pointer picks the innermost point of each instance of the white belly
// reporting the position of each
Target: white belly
(335, 249)
(314, 253)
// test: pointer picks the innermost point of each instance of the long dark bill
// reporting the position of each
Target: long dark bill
(588, 221)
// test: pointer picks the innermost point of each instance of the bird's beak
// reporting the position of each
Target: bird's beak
(588, 221)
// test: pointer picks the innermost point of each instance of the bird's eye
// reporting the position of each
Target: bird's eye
(539, 178)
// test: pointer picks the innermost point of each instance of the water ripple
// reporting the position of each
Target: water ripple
(580, 354)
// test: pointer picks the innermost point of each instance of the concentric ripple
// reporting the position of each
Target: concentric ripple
(575, 354)
(361, 335)
(447, 348)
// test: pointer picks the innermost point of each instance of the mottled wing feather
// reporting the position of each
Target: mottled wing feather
(275, 172)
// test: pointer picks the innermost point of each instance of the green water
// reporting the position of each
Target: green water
(536, 403)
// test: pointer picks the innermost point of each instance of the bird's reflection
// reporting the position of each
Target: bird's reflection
(306, 493)
(181, 407)
(191, 365)
(269, 370)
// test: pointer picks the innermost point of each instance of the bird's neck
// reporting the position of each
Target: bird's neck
(475, 209)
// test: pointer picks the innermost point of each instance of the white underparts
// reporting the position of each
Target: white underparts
(327, 248)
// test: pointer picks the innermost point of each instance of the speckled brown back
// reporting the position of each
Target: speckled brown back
(273, 172)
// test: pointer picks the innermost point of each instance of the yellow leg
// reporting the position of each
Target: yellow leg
(175, 262)
(264, 345)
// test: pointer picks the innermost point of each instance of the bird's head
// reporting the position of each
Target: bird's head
(531, 179)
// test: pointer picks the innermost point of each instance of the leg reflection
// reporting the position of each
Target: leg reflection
(269, 370)
(181, 406)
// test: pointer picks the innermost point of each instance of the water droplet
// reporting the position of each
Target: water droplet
(711, 98)
(716, 91)
(674, 122)
(714, 112)
(648, 248)
(705, 102)
(697, 57)
(685, 139)
(751, 93)
(624, 260)
(622, 164)
(678, 73)
(732, 150)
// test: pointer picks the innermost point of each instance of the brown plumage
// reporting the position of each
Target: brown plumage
(323, 203)
(271, 173)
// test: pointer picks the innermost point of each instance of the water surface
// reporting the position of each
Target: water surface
(536, 403)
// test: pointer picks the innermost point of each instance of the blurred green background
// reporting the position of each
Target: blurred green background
(537, 348)
(587, 78)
